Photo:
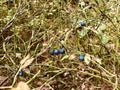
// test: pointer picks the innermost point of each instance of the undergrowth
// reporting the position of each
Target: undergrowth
(30, 29)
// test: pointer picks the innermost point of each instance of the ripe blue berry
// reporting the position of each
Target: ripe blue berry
(81, 57)
(62, 50)
(56, 51)
(83, 24)
(20, 73)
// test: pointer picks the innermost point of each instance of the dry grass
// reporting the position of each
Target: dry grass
(31, 29)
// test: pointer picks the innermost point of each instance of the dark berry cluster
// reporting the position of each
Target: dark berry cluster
(57, 51)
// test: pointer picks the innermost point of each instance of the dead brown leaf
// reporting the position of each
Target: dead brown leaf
(21, 86)
(2, 79)
(26, 61)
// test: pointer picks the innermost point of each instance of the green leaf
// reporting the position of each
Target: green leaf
(102, 27)
(35, 22)
(104, 38)
(83, 33)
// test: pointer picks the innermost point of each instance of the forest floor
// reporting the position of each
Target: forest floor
(60, 44)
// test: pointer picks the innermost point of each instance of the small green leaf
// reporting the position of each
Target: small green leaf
(101, 28)
(83, 33)
(34, 22)
(104, 38)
